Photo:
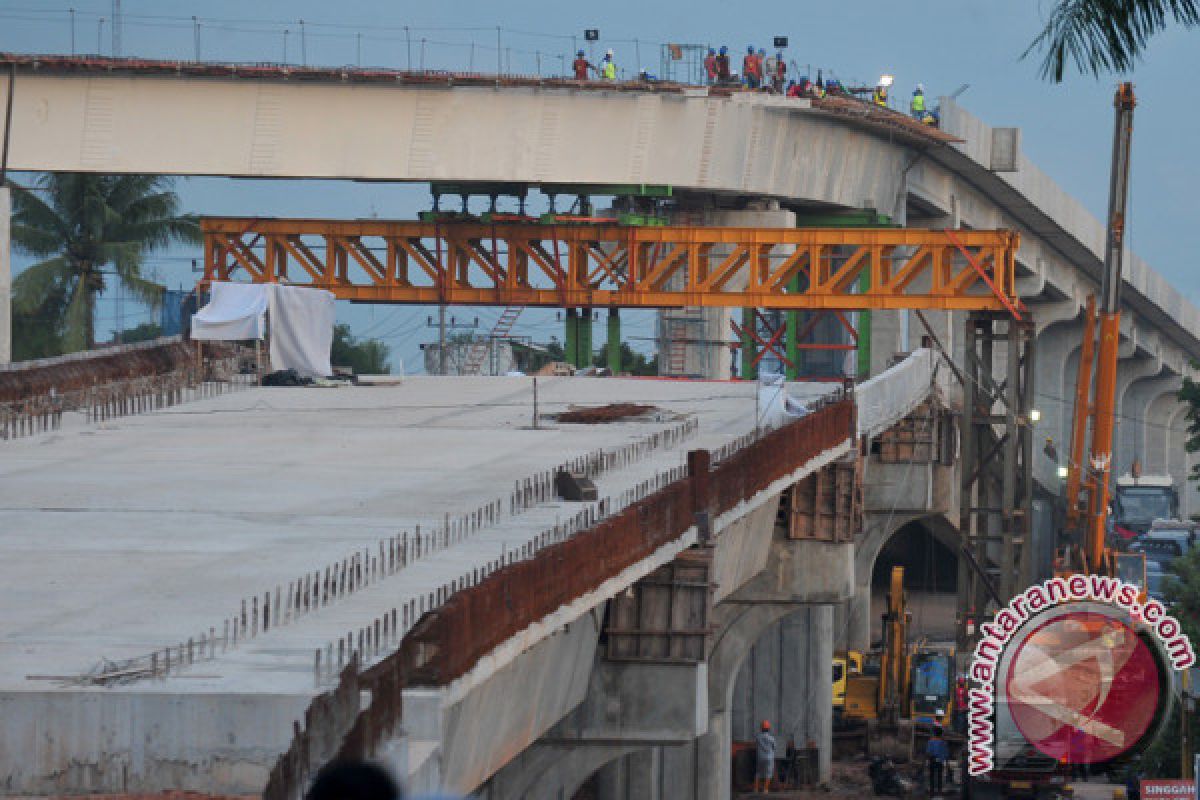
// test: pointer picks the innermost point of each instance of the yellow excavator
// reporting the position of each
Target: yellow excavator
(902, 691)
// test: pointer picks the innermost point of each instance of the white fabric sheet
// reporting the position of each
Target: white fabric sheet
(234, 312)
(301, 329)
(775, 406)
(892, 394)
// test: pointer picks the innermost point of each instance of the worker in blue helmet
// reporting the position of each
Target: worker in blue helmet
(581, 66)
(723, 73)
(751, 68)
(710, 67)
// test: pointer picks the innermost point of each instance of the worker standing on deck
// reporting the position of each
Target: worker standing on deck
(710, 66)
(764, 767)
(751, 69)
(723, 73)
(917, 104)
(769, 70)
(779, 74)
(581, 66)
(937, 752)
(608, 68)
(880, 95)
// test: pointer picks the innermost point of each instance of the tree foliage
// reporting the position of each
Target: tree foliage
(1100, 36)
(86, 229)
(365, 357)
(632, 363)
(1189, 395)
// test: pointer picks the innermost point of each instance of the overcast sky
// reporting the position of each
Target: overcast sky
(1066, 129)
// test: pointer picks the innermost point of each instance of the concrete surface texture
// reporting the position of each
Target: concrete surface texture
(124, 537)
(745, 144)
(121, 538)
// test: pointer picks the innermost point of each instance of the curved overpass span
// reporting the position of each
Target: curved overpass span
(713, 148)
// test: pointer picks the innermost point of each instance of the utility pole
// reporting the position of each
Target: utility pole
(303, 46)
(100, 36)
(196, 37)
(116, 28)
(443, 326)
(72, 31)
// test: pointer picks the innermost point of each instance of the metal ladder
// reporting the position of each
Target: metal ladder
(479, 348)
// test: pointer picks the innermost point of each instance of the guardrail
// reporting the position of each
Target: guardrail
(449, 640)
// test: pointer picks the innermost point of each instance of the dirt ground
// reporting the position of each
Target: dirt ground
(849, 779)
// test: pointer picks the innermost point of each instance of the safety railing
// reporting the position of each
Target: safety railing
(447, 641)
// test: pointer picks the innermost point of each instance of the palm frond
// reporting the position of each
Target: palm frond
(36, 283)
(1100, 36)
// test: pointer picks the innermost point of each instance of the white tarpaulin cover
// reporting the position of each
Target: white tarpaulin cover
(892, 394)
(301, 329)
(301, 322)
(775, 406)
(234, 312)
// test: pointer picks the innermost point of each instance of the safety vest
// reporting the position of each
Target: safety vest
(880, 97)
(918, 103)
(610, 71)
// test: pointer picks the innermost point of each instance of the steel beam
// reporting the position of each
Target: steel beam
(613, 266)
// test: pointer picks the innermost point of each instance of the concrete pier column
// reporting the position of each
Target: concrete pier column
(814, 717)
(858, 617)
(713, 767)
(5, 276)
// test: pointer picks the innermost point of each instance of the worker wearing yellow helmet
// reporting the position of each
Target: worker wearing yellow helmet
(608, 67)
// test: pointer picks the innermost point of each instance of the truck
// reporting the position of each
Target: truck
(1141, 499)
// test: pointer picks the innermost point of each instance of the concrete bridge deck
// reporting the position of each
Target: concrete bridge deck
(145, 531)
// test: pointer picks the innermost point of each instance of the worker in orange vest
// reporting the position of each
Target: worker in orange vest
(710, 66)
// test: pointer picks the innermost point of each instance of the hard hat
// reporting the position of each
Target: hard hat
(762, 52)
(712, 52)
(920, 87)
(724, 49)
(886, 80)
(610, 52)
(580, 54)
(750, 48)
(766, 726)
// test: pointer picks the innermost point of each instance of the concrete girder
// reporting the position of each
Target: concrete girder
(1160, 410)
(1134, 409)
(1130, 371)
(629, 706)
(1058, 345)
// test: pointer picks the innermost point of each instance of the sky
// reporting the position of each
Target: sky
(1066, 128)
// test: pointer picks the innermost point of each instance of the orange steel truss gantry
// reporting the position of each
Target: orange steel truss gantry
(600, 265)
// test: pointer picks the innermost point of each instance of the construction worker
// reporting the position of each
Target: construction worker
(723, 73)
(880, 96)
(760, 58)
(779, 75)
(764, 767)
(608, 67)
(750, 68)
(769, 70)
(937, 752)
(710, 66)
(917, 105)
(581, 66)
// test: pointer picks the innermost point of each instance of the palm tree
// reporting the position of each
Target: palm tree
(79, 224)
(1105, 35)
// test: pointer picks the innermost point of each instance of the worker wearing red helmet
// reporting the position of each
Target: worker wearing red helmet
(764, 767)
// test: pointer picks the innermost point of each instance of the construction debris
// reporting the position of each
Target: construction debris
(609, 413)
